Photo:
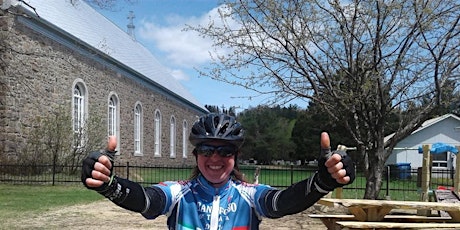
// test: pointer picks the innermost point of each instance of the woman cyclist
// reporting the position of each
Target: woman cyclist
(216, 196)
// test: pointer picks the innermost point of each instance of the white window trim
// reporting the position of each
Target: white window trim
(116, 120)
(172, 137)
(138, 127)
(157, 134)
(184, 139)
(447, 162)
(83, 108)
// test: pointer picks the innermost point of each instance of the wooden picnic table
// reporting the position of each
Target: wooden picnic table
(375, 210)
(375, 214)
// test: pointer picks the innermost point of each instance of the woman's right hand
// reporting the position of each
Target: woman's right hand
(97, 167)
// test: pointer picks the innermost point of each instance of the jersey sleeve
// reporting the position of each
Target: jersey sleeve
(173, 192)
(255, 196)
(262, 192)
(277, 203)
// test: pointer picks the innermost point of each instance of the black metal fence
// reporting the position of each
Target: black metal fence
(399, 184)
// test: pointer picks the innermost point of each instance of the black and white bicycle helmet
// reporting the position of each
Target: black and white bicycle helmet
(214, 126)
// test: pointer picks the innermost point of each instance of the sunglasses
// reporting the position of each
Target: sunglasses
(223, 151)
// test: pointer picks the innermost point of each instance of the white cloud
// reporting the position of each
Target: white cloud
(182, 48)
(179, 75)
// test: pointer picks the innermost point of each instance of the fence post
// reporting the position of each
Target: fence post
(426, 173)
(127, 170)
(388, 182)
(456, 172)
(54, 169)
(292, 174)
(426, 177)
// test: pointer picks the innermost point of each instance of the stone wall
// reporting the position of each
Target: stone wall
(38, 75)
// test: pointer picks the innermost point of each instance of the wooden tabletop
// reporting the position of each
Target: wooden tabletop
(375, 210)
(387, 225)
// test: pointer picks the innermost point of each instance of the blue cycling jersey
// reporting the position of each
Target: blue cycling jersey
(196, 204)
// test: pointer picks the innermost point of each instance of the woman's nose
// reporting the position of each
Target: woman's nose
(214, 155)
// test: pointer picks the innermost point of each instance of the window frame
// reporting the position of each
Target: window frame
(79, 113)
(113, 118)
(172, 137)
(157, 134)
(184, 139)
(138, 127)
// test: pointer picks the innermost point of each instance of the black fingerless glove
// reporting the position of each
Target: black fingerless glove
(88, 166)
(324, 181)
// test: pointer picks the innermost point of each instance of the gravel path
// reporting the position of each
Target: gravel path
(103, 215)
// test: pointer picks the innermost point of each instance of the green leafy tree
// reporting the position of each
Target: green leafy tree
(362, 62)
(309, 125)
(215, 109)
(268, 134)
(212, 108)
(305, 132)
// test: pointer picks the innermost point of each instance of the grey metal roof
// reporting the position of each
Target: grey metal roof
(435, 120)
(428, 123)
(84, 23)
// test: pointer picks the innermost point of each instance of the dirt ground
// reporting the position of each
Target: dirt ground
(103, 215)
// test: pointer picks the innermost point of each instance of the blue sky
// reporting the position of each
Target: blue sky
(159, 25)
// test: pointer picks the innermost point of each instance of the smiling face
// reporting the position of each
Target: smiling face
(215, 168)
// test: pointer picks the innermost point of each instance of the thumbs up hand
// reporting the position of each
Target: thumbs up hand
(97, 169)
(335, 168)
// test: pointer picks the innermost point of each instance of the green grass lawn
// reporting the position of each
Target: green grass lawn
(17, 199)
(20, 200)
(282, 177)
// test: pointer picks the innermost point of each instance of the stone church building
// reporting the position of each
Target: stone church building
(62, 56)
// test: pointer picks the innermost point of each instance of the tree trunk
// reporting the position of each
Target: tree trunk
(374, 174)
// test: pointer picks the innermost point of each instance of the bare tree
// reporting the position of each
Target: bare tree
(361, 61)
(52, 141)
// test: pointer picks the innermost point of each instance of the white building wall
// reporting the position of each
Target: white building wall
(445, 131)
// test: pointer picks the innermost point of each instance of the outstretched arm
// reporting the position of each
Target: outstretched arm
(97, 174)
(334, 170)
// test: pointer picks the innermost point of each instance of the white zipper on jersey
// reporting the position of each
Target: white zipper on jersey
(215, 213)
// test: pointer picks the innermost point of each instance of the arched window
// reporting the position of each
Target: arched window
(78, 109)
(172, 137)
(79, 113)
(113, 118)
(138, 130)
(157, 134)
(184, 139)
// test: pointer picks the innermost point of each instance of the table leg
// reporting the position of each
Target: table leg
(455, 215)
(379, 213)
(358, 212)
(369, 213)
(330, 223)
